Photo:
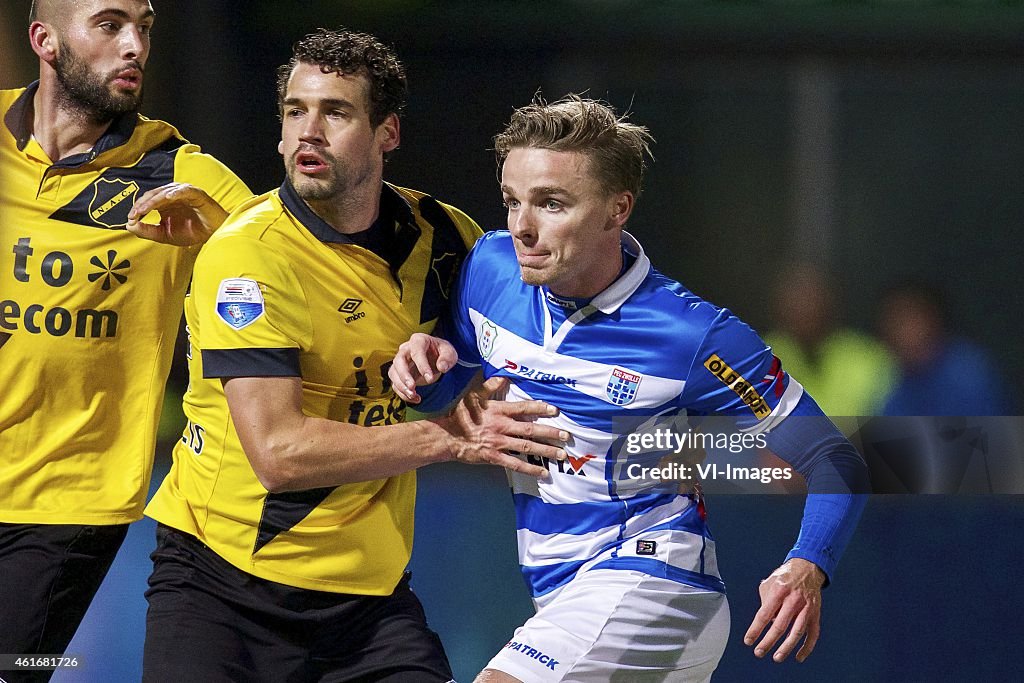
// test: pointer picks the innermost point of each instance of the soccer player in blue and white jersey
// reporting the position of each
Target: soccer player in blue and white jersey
(567, 306)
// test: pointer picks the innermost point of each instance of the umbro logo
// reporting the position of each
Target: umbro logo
(350, 308)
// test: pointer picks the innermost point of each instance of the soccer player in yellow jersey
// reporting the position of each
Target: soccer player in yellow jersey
(88, 311)
(286, 519)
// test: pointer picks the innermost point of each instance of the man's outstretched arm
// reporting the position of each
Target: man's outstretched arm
(837, 482)
(291, 451)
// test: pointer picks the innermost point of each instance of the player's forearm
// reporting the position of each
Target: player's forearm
(816, 449)
(315, 452)
(826, 528)
(837, 479)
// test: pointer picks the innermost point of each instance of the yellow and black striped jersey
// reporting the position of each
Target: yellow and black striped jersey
(88, 315)
(278, 292)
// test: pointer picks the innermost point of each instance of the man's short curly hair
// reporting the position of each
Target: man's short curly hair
(349, 52)
(617, 149)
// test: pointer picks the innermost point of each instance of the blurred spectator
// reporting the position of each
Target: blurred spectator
(940, 373)
(848, 372)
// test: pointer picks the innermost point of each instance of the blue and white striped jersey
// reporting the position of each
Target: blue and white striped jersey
(645, 346)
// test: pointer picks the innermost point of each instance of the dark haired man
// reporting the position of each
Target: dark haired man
(286, 519)
(88, 312)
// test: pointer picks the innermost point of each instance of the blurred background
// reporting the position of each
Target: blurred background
(849, 153)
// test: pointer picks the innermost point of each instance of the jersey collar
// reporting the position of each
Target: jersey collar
(392, 236)
(619, 291)
(608, 301)
(19, 121)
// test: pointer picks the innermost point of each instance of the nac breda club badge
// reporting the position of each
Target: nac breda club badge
(239, 302)
(112, 199)
(622, 386)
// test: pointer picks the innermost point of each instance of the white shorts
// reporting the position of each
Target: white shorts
(613, 625)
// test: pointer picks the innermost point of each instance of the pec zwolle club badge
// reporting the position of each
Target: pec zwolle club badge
(239, 302)
(622, 386)
(485, 341)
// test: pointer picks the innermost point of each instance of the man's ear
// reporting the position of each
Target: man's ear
(389, 133)
(43, 39)
(622, 207)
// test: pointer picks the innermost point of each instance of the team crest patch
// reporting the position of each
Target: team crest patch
(444, 269)
(111, 201)
(239, 302)
(485, 342)
(622, 386)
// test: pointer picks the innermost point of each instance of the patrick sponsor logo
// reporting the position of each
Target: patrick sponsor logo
(533, 653)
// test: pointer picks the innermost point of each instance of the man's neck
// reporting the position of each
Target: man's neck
(60, 130)
(354, 212)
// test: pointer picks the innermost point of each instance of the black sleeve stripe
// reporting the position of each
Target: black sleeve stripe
(224, 363)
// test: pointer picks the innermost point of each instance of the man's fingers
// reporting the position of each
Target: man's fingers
(491, 386)
(761, 619)
(420, 360)
(523, 409)
(145, 230)
(779, 626)
(401, 379)
(447, 356)
(407, 395)
(796, 634)
(516, 465)
(534, 432)
(153, 200)
(534, 448)
(813, 631)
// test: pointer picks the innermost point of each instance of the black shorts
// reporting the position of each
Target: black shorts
(209, 621)
(49, 574)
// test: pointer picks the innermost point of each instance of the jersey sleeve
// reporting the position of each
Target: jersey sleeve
(468, 229)
(735, 374)
(207, 173)
(456, 326)
(253, 318)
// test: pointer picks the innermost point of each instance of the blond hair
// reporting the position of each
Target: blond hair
(616, 148)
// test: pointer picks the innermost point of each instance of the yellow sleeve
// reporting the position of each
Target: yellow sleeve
(252, 317)
(468, 229)
(202, 170)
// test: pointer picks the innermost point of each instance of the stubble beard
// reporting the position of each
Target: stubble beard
(316, 189)
(532, 276)
(87, 94)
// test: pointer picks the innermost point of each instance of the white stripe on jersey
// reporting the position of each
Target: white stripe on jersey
(786, 404)
(589, 378)
(546, 549)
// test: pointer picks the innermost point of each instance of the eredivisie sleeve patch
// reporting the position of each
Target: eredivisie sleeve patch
(239, 302)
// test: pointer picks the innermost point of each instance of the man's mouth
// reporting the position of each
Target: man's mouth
(310, 163)
(128, 79)
(532, 258)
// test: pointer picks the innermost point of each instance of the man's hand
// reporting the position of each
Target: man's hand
(485, 430)
(792, 594)
(188, 216)
(420, 361)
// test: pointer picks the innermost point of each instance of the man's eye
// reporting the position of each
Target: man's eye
(510, 203)
(552, 205)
